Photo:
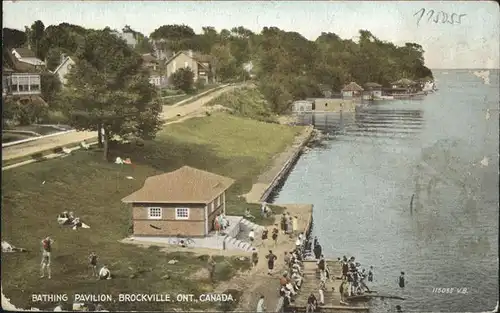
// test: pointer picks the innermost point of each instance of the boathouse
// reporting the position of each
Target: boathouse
(302, 106)
(352, 90)
(183, 202)
(372, 91)
(406, 84)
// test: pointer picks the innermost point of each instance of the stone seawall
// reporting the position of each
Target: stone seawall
(282, 164)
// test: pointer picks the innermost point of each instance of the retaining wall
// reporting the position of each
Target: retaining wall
(287, 167)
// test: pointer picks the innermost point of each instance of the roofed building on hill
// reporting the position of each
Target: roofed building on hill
(128, 37)
(200, 64)
(156, 78)
(352, 90)
(64, 67)
(183, 202)
(20, 84)
(26, 60)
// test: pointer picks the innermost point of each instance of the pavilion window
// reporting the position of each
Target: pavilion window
(182, 213)
(154, 213)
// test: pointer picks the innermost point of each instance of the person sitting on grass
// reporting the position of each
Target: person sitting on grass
(248, 214)
(104, 273)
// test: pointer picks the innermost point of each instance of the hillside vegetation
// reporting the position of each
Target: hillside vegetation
(246, 102)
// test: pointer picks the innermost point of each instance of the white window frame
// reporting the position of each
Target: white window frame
(154, 217)
(218, 201)
(178, 210)
(186, 64)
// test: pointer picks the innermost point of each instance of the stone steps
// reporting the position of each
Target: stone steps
(251, 225)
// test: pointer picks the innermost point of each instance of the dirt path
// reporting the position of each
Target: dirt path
(256, 282)
(186, 111)
(43, 144)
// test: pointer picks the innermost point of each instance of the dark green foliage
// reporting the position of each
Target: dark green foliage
(51, 85)
(108, 88)
(13, 38)
(183, 79)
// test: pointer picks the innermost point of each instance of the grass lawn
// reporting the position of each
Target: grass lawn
(83, 183)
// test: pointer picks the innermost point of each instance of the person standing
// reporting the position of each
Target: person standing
(93, 263)
(345, 267)
(317, 251)
(211, 267)
(271, 258)
(260, 305)
(255, 258)
(402, 280)
(275, 236)
(295, 224)
(46, 253)
(283, 223)
(370, 274)
(343, 289)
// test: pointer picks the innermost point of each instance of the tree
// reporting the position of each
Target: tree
(35, 39)
(53, 58)
(13, 38)
(183, 79)
(51, 86)
(109, 90)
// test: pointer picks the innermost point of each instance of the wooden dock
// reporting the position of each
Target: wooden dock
(310, 284)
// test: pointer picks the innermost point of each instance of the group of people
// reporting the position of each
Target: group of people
(69, 219)
(291, 280)
(289, 225)
(220, 223)
(104, 272)
(353, 278)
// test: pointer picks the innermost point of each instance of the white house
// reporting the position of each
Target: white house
(27, 56)
(128, 37)
(63, 69)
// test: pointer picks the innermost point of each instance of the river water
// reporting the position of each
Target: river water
(443, 150)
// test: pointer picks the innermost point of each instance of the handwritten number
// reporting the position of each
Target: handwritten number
(452, 21)
(439, 17)
(436, 19)
(422, 12)
(460, 18)
(430, 14)
(445, 18)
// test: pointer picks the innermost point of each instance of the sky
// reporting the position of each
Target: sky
(474, 43)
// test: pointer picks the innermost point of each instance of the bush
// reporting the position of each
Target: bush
(200, 84)
(183, 79)
(55, 117)
(230, 305)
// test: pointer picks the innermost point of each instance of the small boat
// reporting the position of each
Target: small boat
(386, 97)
